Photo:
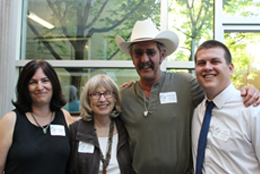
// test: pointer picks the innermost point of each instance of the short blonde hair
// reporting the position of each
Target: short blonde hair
(100, 80)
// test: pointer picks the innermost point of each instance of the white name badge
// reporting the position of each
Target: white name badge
(168, 97)
(221, 133)
(85, 147)
(57, 130)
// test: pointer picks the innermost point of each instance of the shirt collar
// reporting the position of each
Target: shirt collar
(158, 83)
(224, 96)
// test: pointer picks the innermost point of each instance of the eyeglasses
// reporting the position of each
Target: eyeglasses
(106, 94)
(149, 52)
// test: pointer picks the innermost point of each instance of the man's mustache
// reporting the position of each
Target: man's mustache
(145, 65)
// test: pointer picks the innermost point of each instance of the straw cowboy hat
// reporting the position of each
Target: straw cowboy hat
(146, 31)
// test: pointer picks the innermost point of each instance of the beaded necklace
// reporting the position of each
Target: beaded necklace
(105, 161)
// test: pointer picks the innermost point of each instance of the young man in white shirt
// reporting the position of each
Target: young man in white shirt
(233, 139)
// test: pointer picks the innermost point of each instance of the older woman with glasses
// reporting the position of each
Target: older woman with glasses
(99, 141)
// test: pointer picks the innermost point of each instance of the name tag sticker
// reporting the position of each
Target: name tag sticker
(168, 97)
(57, 130)
(85, 147)
(221, 133)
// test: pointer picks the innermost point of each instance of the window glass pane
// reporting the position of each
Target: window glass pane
(191, 71)
(72, 82)
(241, 8)
(193, 22)
(245, 56)
(82, 30)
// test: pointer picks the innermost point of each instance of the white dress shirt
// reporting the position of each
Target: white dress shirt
(233, 142)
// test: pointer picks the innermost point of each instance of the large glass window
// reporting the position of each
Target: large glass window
(244, 49)
(82, 30)
(242, 36)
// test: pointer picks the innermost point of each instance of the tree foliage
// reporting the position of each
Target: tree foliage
(243, 8)
(243, 57)
(240, 43)
(194, 22)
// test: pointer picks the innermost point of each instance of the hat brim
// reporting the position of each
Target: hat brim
(168, 38)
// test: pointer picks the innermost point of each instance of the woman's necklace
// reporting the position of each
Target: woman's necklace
(145, 108)
(106, 161)
(44, 129)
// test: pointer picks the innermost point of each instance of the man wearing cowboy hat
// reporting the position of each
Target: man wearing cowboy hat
(157, 110)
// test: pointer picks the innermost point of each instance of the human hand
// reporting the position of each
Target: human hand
(252, 96)
(127, 84)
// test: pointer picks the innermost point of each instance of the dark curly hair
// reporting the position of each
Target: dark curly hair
(24, 101)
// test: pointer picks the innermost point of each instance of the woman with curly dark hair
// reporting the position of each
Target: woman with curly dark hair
(34, 136)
